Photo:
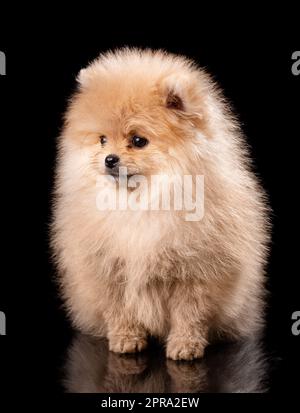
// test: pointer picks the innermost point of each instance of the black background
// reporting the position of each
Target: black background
(252, 63)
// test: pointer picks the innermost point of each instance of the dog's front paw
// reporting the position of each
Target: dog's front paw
(127, 344)
(185, 348)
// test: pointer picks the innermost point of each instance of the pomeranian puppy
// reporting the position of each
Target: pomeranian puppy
(129, 273)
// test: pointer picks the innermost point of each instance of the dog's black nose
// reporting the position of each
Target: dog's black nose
(111, 160)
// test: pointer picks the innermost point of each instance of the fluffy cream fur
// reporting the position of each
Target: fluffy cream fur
(130, 274)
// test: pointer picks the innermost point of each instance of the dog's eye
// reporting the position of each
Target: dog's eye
(103, 139)
(139, 142)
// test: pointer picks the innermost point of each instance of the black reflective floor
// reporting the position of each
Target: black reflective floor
(228, 368)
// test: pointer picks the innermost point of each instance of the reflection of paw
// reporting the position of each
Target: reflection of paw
(127, 365)
(177, 369)
(182, 348)
(127, 344)
(187, 377)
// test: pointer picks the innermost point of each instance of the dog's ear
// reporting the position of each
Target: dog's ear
(181, 95)
(174, 101)
(173, 91)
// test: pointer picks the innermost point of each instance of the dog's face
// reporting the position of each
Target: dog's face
(137, 116)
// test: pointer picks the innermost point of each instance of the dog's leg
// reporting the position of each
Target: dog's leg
(187, 338)
(125, 335)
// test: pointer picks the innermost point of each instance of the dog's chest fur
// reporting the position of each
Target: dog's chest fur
(137, 264)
